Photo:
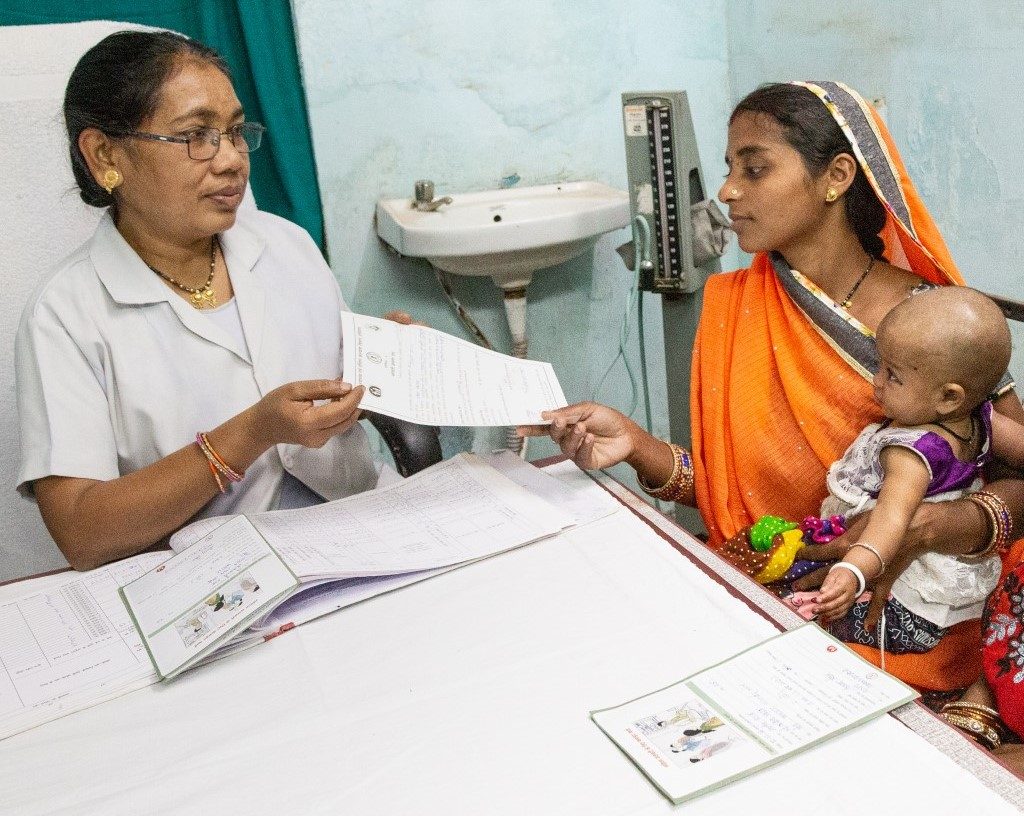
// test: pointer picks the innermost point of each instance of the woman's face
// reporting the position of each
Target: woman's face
(167, 194)
(773, 201)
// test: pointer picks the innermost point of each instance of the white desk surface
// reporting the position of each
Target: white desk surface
(469, 694)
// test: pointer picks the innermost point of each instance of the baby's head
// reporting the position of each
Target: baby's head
(942, 352)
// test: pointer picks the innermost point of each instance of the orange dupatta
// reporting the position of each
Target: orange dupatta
(782, 384)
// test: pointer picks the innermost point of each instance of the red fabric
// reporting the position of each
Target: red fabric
(1001, 653)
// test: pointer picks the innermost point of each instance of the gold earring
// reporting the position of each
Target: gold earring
(111, 179)
(831, 195)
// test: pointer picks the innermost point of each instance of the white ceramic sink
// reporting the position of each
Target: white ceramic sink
(507, 234)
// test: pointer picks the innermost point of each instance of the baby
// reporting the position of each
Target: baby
(942, 352)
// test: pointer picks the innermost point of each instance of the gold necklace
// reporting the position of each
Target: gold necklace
(203, 296)
(846, 301)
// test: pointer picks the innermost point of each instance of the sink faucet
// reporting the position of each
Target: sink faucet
(424, 200)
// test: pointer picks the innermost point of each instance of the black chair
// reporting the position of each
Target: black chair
(413, 447)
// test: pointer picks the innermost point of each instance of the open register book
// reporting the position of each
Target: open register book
(767, 703)
(67, 642)
(224, 588)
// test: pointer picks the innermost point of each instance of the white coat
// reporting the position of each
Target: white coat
(116, 371)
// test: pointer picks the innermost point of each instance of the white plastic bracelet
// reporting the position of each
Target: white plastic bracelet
(861, 583)
(871, 548)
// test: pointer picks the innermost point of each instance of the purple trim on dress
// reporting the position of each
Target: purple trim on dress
(948, 472)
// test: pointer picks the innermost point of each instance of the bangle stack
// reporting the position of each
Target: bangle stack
(679, 487)
(1000, 523)
(218, 467)
(979, 722)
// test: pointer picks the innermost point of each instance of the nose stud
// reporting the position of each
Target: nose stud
(734, 192)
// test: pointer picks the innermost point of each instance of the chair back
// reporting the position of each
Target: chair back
(44, 220)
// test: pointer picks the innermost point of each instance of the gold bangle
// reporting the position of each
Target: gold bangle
(975, 711)
(980, 732)
(1000, 525)
(968, 706)
(679, 487)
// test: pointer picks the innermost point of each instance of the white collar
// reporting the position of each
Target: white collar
(130, 281)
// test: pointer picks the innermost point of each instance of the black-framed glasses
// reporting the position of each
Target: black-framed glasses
(203, 143)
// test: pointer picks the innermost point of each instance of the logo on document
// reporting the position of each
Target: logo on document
(374, 390)
(374, 357)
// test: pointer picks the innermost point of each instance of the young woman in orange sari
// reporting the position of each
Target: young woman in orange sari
(785, 350)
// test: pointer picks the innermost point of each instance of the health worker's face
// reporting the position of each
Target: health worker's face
(169, 194)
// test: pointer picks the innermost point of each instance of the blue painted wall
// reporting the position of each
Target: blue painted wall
(947, 72)
(466, 93)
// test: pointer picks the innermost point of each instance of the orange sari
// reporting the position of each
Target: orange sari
(782, 379)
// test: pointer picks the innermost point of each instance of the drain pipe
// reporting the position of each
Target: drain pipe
(515, 313)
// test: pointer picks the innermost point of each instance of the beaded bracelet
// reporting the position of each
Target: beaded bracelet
(679, 487)
(217, 465)
(1000, 523)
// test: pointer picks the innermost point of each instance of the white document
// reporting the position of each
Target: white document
(456, 511)
(355, 548)
(431, 378)
(562, 484)
(70, 646)
(192, 603)
(782, 696)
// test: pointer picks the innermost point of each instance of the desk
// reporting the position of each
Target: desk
(469, 694)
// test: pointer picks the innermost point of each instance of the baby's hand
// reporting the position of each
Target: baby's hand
(837, 594)
(805, 604)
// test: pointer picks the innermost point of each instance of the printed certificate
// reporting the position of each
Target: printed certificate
(431, 378)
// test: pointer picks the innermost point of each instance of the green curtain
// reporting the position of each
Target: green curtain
(257, 38)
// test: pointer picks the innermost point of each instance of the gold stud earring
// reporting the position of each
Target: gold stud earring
(111, 179)
(831, 195)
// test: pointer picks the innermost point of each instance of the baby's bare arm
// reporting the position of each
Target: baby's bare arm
(903, 489)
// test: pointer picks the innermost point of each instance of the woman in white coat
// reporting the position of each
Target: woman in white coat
(186, 360)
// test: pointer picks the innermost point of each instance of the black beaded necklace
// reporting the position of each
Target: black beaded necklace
(203, 296)
(846, 301)
(967, 440)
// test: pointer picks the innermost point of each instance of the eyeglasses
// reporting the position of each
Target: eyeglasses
(203, 143)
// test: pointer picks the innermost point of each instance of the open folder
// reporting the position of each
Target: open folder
(222, 590)
(72, 643)
(759, 707)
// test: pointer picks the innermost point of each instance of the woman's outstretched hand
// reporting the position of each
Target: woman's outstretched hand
(308, 412)
(592, 435)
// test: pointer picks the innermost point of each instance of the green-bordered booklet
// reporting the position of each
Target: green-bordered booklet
(199, 600)
(767, 703)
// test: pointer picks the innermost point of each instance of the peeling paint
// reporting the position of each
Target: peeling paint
(466, 93)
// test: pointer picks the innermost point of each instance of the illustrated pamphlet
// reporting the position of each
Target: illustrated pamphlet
(246, 577)
(767, 703)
